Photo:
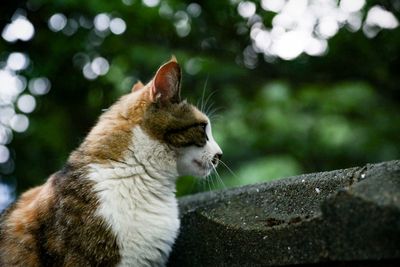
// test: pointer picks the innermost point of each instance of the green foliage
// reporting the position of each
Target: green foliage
(274, 119)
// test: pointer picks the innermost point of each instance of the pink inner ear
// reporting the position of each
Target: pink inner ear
(167, 81)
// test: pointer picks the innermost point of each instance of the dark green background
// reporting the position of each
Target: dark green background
(277, 119)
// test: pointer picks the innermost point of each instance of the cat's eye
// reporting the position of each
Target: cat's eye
(203, 126)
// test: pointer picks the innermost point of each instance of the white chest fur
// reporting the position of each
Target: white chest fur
(138, 202)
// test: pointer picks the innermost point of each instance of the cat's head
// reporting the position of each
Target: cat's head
(153, 123)
(179, 124)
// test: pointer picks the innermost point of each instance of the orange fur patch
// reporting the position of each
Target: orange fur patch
(110, 138)
(22, 222)
(26, 211)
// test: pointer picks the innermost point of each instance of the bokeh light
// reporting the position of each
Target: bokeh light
(7, 195)
(17, 61)
(39, 86)
(377, 19)
(304, 26)
(4, 154)
(7, 112)
(194, 9)
(117, 26)
(273, 5)
(57, 22)
(351, 5)
(26, 103)
(13, 83)
(182, 23)
(246, 9)
(100, 66)
(5, 135)
(20, 28)
(19, 123)
(102, 22)
(151, 3)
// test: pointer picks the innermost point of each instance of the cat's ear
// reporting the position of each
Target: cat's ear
(165, 86)
(137, 86)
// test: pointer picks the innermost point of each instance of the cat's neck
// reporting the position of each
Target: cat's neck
(145, 160)
(136, 195)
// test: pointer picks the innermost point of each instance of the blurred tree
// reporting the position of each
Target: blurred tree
(302, 86)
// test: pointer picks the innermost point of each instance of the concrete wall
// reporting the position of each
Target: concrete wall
(333, 218)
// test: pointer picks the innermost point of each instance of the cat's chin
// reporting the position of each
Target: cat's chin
(203, 167)
(195, 168)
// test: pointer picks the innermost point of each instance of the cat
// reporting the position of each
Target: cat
(113, 203)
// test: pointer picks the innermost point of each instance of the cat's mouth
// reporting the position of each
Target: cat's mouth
(200, 164)
(204, 166)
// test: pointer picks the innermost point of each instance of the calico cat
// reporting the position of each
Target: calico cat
(113, 203)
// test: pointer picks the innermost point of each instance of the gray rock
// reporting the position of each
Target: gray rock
(336, 217)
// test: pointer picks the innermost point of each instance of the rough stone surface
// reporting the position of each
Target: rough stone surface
(330, 219)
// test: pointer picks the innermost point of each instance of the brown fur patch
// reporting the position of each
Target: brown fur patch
(164, 119)
(111, 137)
(175, 124)
(56, 225)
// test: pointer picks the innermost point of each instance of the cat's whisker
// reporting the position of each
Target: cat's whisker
(192, 185)
(222, 182)
(211, 114)
(209, 97)
(229, 169)
(203, 93)
(209, 184)
(209, 108)
(215, 117)
(209, 179)
(219, 177)
(205, 184)
(206, 102)
(212, 182)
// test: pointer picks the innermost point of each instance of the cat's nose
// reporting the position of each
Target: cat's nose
(216, 159)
